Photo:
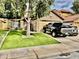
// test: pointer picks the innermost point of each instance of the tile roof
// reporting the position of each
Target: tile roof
(66, 16)
(50, 17)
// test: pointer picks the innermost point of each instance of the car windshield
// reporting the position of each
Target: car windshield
(57, 24)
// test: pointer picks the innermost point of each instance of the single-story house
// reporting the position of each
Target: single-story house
(56, 16)
(41, 22)
(68, 17)
(37, 25)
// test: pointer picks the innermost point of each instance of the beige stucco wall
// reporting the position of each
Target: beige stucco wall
(38, 25)
(76, 23)
(4, 25)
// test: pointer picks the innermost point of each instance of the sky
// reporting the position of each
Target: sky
(62, 5)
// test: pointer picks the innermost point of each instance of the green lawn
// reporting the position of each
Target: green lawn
(2, 31)
(15, 39)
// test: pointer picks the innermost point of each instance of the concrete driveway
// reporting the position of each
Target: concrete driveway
(73, 43)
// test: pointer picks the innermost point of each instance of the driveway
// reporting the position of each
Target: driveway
(68, 49)
(73, 43)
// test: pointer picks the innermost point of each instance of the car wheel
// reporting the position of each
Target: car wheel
(64, 35)
(75, 34)
(53, 34)
(43, 30)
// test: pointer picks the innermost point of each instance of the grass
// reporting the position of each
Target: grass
(15, 39)
(2, 31)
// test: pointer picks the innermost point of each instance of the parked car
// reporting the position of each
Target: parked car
(60, 29)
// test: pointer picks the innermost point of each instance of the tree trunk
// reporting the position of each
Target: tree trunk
(27, 18)
(28, 27)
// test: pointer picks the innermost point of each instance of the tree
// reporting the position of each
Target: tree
(17, 7)
(2, 8)
(8, 8)
(40, 9)
(27, 18)
(76, 6)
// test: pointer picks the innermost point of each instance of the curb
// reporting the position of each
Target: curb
(4, 39)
